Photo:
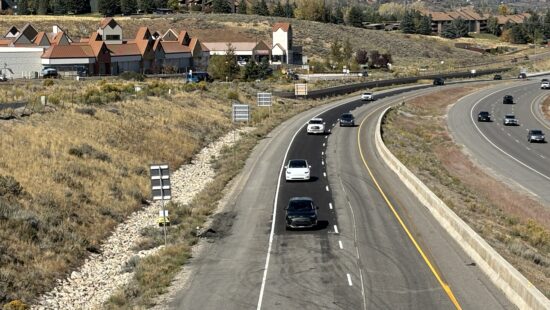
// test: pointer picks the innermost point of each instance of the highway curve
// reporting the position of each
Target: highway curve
(360, 256)
(505, 149)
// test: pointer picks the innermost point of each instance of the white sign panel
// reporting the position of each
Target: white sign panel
(264, 99)
(300, 89)
(241, 113)
(160, 182)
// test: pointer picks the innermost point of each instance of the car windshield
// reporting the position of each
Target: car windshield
(510, 116)
(315, 121)
(302, 204)
(483, 113)
(367, 94)
(347, 116)
(536, 132)
(297, 163)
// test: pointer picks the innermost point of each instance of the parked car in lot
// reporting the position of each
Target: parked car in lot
(49, 73)
(510, 120)
(316, 125)
(367, 96)
(535, 135)
(347, 119)
(196, 77)
(508, 99)
(439, 81)
(298, 169)
(484, 116)
(497, 77)
(301, 212)
(522, 76)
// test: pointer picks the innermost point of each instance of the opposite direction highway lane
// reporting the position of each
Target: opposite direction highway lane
(359, 258)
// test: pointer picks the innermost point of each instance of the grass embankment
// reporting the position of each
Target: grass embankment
(517, 226)
(69, 175)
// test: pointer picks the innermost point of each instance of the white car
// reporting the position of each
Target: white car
(316, 125)
(545, 85)
(297, 169)
(510, 120)
(367, 97)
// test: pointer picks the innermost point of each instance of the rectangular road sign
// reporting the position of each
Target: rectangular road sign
(241, 113)
(300, 89)
(264, 99)
(160, 182)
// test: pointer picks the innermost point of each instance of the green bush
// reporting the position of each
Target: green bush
(9, 186)
(48, 82)
(232, 95)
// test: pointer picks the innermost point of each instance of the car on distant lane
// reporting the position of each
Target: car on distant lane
(497, 77)
(535, 135)
(297, 169)
(439, 81)
(508, 99)
(347, 119)
(484, 116)
(301, 212)
(545, 85)
(510, 120)
(367, 96)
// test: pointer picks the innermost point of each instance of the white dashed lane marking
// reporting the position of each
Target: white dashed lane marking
(326, 187)
(349, 280)
(336, 229)
(341, 245)
(325, 174)
(330, 205)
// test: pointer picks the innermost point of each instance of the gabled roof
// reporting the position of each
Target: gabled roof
(171, 47)
(183, 38)
(516, 18)
(12, 32)
(41, 39)
(128, 49)
(143, 39)
(284, 26)
(108, 21)
(170, 35)
(96, 43)
(27, 34)
(61, 38)
(6, 42)
(68, 51)
(440, 16)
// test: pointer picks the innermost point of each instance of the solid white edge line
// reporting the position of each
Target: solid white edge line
(330, 205)
(336, 229)
(322, 163)
(340, 244)
(349, 280)
(494, 145)
(325, 174)
(322, 153)
(363, 289)
(264, 278)
(327, 188)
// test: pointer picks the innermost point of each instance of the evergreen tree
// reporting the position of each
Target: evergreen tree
(109, 7)
(172, 4)
(546, 24)
(289, 9)
(128, 7)
(337, 15)
(425, 25)
(347, 52)
(160, 3)
(260, 8)
(22, 7)
(336, 51)
(221, 6)
(355, 17)
(250, 71)
(146, 6)
(361, 56)
(279, 10)
(242, 7)
(517, 35)
(42, 7)
(493, 27)
(58, 7)
(407, 23)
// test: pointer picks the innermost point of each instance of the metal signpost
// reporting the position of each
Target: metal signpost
(300, 89)
(161, 190)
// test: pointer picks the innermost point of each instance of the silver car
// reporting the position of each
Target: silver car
(535, 135)
(510, 120)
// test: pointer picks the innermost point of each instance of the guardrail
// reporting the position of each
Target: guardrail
(346, 89)
(503, 275)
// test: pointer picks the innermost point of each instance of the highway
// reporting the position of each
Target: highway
(376, 246)
(505, 149)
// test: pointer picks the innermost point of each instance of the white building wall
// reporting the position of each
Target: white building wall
(23, 61)
(111, 31)
(280, 37)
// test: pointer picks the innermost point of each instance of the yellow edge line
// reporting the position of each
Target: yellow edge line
(444, 285)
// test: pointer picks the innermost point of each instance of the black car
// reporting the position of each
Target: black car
(301, 212)
(497, 77)
(535, 135)
(49, 73)
(347, 119)
(522, 76)
(439, 81)
(508, 99)
(484, 116)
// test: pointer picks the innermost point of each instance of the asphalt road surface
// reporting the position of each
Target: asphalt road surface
(360, 256)
(505, 149)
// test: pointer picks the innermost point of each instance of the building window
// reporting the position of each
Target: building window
(112, 37)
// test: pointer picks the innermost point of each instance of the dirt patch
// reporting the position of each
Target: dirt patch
(512, 222)
(546, 108)
(220, 226)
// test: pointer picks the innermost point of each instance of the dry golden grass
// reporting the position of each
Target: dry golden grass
(546, 108)
(83, 172)
(516, 225)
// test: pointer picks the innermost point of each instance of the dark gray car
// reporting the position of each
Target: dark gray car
(301, 212)
(347, 119)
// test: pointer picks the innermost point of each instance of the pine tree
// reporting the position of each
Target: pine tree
(425, 26)
(260, 8)
(335, 51)
(337, 16)
(242, 7)
(279, 10)
(109, 7)
(289, 9)
(146, 6)
(43, 7)
(128, 7)
(347, 52)
(407, 23)
(22, 7)
(355, 17)
(221, 6)
(58, 7)
(517, 35)
(493, 27)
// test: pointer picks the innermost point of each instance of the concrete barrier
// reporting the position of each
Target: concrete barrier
(514, 285)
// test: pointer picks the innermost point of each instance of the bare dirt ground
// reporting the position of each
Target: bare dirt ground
(515, 224)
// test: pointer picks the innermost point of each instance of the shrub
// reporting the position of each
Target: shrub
(86, 111)
(233, 95)
(48, 82)
(15, 305)
(9, 186)
(86, 150)
(132, 76)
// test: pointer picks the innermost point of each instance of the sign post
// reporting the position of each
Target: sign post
(161, 190)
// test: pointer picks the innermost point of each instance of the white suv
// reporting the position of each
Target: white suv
(367, 97)
(545, 85)
(316, 125)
